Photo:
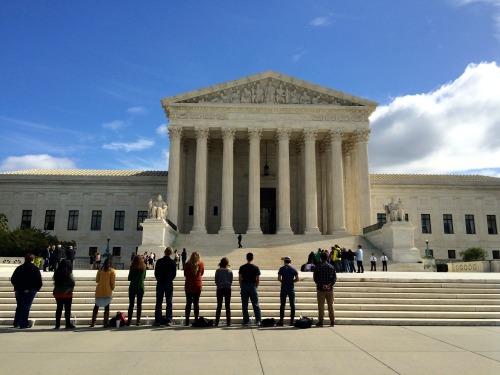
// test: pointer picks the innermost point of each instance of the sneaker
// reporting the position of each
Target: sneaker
(70, 326)
(319, 324)
(332, 324)
(280, 323)
(31, 323)
(156, 324)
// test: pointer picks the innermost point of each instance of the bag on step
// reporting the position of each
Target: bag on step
(268, 322)
(303, 322)
(203, 322)
(119, 317)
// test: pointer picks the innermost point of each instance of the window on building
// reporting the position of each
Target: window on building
(73, 220)
(50, 220)
(117, 251)
(492, 224)
(26, 219)
(495, 254)
(119, 220)
(470, 227)
(381, 218)
(452, 254)
(406, 217)
(95, 224)
(191, 209)
(426, 223)
(448, 223)
(216, 211)
(141, 216)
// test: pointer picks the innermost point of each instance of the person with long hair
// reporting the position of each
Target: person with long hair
(193, 271)
(105, 280)
(64, 284)
(223, 280)
(136, 276)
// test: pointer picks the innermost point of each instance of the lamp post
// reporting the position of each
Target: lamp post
(107, 254)
(427, 252)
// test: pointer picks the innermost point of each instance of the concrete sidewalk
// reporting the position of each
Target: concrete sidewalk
(364, 350)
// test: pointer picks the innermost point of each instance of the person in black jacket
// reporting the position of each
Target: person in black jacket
(165, 272)
(27, 281)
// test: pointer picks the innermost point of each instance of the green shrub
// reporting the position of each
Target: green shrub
(473, 254)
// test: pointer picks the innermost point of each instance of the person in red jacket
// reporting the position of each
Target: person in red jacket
(193, 271)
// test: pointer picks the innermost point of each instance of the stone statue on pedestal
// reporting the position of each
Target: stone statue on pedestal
(157, 209)
(394, 211)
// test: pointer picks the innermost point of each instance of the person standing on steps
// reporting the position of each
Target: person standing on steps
(287, 276)
(373, 262)
(136, 276)
(193, 285)
(240, 237)
(325, 278)
(165, 273)
(184, 257)
(359, 259)
(223, 280)
(384, 260)
(105, 280)
(64, 284)
(249, 278)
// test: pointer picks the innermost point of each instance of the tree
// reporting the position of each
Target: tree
(473, 254)
(4, 222)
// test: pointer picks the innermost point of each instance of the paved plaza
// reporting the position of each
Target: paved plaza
(366, 350)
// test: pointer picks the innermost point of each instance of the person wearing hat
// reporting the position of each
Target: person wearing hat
(287, 276)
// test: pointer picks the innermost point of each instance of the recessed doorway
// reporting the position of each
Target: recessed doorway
(268, 210)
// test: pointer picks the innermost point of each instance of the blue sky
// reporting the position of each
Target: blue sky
(81, 81)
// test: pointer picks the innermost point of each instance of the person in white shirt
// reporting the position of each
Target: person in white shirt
(373, 261)
(384, 260)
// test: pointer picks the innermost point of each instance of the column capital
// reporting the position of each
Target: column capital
(228, 134)
(201, 133)
(362, 135)
(283, 134)
(310, 134)
(175, 132)
(254, 134)
(347, 146)
(335, 135)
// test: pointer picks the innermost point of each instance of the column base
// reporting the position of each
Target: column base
(254, 231)
(284, 231)
(198, 230)
(314, 230)
(338, 232)
(228, 230)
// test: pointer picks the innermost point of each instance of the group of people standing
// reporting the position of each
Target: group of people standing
(53, 255)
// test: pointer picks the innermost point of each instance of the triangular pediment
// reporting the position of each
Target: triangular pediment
(268, 88)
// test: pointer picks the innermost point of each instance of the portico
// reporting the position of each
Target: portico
(314, 141)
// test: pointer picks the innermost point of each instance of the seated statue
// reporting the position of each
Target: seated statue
(157, 209)
(394, 211)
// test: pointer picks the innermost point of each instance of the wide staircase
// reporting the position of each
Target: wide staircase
(360, 299)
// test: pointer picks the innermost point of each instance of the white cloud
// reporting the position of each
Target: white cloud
(137, 110)
(114, 125)
(298, 55)
(320, 21)
(451, 130)
(162, 130)
(139, 145)
(495, 12)
(42, 161)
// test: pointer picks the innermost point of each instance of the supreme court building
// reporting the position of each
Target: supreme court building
(269, 154)
(263, 155)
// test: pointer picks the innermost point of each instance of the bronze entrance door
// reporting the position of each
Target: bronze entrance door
(268, 210)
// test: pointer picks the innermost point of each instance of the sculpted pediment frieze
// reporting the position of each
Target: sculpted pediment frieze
(269, 88)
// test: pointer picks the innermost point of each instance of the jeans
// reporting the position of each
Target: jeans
(249, 290)
(224, 293)
(345, 265)
(321, 296)
(291, 297)
(24, 299)
(164, 289)
(131, 300)
(66, 303)
(194, 299)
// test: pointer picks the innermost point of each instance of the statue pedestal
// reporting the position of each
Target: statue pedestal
(156, 235)
(396, 239)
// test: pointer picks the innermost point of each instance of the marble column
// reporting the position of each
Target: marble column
(254, 182)
(175, 134)
(365, 211)
(355, 187)
(200, 181)
(227, 180)
(346, 149)
(336, 201)
(283, 136)
(311, 192)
